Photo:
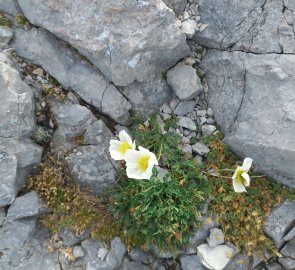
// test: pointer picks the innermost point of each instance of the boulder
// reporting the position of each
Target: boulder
(66, 65)
(200, 149)
(256, 26)
(252, 98)
(127, 40)
(88, 138)
(289, 249)
(279, 223)
(148, 96)
(184, 81)
(24, 206)
(5, 36)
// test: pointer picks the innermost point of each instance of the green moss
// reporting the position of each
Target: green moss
(21, 19)
(4, 21)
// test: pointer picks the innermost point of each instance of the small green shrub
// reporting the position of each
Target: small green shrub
(163, 213)
(41, 135)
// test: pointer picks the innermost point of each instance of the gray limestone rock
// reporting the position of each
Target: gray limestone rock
(5, 36)
(252, 99)
(69, 238)
(9, 6)
(17, 108)
(208, 129)
(138, 255)
(279, 222)
(289, 249)
(111, 35)
(247, 25)
(28, 156)
(128, 265)
(15, 234)
(184, 107)
(287, 263)
(91, 248)
(76, 120)
(274, 266)
(23, 206)
(200, 148)
(148, 96)
(186, 122)
(8, 168)
(241, 261)
(178, 6)
(290, 235)
(67, 66)
(216, 237)
(184, 81)
(92, 167)
(190, 263)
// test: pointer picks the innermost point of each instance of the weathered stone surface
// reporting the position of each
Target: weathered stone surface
(15, 234)
(279, 222)
(184, 107)
(251, 26)
(190, 263)
(148, 96)
(201, 235)
(287, 263)
(178, 6)
(138, 255)
(289, 249)
(186, 122)
(113, 259)
(24, 206)
(5, 36)
(89, 163)
(184, 81)
(9, 7)
(216, 237)
(215, 258)
(189, 28)
(91, 167)
(91, 247)
(28, 155)
(78, 75)
(239, 262)
(290, 235)
(76, 120)
(8, 168)
(112, 37)
(17, 109)
(200, 148)
(127, 265)
(274, 266)
(252, 98)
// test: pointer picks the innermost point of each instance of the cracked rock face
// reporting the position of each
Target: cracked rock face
(127, 40)
(258, 26)
(18, 154)
(88, 162)
(254, 102)
(66, 65)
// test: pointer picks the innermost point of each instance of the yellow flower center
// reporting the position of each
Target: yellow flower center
(124, 147)
(239, 178)
(143, 163)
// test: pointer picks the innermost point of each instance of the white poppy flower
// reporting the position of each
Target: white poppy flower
(241, 179)
(140, 163)
(119, 148)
